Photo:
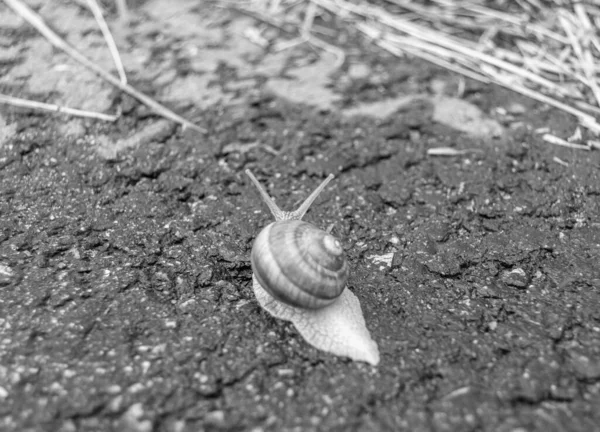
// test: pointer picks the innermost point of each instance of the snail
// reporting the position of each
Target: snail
(300, 274)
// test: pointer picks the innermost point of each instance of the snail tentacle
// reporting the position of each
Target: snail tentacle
(275, 210)
(301, 211)
(297, 214)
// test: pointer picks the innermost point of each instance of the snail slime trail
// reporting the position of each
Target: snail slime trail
(299, 275)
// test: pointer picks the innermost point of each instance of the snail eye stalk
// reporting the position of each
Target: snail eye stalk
(301, 211)
(275, 210)
(297, 214)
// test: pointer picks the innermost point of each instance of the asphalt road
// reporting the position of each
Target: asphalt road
(125, 282)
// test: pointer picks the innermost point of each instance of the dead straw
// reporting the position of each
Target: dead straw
(110, 42)
(36, 21)
(25, 103)
(553, 54)
(563, 143)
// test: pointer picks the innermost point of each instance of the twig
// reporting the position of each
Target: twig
(123, 11)
(560, 161)
(563, 143)
(112, 47)
(309, 17)
(36, 21)
(449, 151)
(25, 103)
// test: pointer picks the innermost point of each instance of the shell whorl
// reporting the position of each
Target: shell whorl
(299, 264)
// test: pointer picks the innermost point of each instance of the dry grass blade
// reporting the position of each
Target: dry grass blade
(412, 48)
(123, 11)
(560, 161)
(563, 143)
(25, 103)
(449, 151)
(304, 30)
(536, 29)
(36, 21)
(551, 54)
(110, 42)
(434, 37)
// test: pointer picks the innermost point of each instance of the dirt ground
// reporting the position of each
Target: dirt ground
(125, 282)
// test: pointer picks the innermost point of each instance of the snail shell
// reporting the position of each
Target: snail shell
(299, 264)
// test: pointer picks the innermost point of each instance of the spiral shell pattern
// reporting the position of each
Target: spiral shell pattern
(299, 264)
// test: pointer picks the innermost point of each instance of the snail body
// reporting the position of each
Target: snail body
(300, 274)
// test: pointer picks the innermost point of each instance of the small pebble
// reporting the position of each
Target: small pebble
(132, 420)
(359, 70)
(585, 367)
(516, 278)
(7, 275)
(215, 418)
(515, 108)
